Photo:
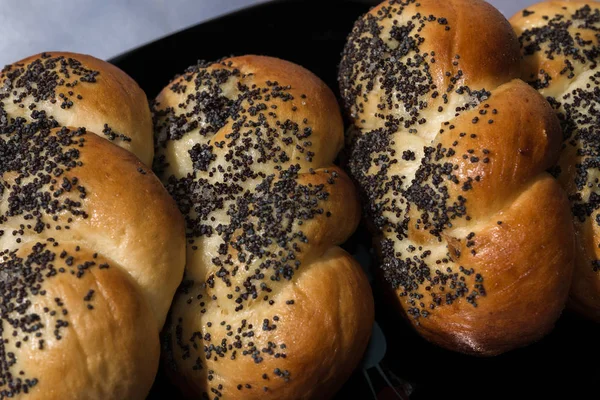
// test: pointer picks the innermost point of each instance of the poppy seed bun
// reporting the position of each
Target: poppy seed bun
(92, 245)
(450, 151)
(270, 306)
(560, 48)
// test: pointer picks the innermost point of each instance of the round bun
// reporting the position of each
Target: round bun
(92, 245)
(560, 47)
(270, 306)
(80, 90)
(450, 152)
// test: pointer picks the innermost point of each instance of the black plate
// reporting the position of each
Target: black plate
(312, 33)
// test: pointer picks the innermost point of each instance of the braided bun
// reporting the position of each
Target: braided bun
(92, 245)
(450, 151)
(270, 306)
(560, 44)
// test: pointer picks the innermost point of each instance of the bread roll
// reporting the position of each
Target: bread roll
(93, 247)
(270, 306)
(450, 151)
(560, 48)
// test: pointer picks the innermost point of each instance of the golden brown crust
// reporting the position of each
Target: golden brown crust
(525, 291)
(96, 277)
(450, 151)
(127, 199)
(527, 147)
(92, 245)
(502, 63)
(270, 307)
(324, 115)
(108, 351)
(325, 321)
(89, 93)
(560, 51)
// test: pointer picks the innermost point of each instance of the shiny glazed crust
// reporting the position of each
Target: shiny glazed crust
(560, 49)
(270, 307)
(87, 92)
(450, 151)
(92, 244)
